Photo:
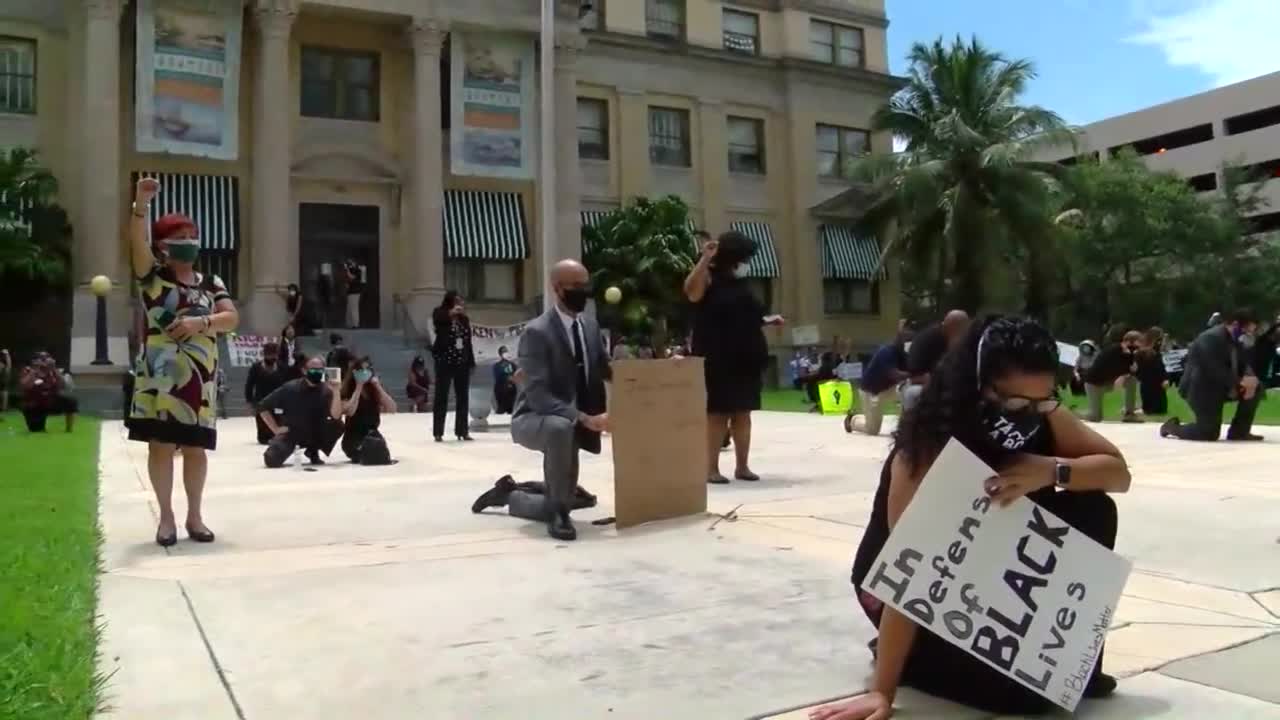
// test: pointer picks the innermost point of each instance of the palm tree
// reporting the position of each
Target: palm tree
(964, 181)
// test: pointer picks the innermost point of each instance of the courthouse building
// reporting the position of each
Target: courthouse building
(403, 134)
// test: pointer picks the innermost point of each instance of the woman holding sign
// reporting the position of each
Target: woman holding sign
(995, 394)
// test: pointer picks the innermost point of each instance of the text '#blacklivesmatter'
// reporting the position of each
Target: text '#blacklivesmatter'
(994, 629)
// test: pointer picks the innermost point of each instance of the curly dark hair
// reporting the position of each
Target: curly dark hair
(734, 249)
(951, 403)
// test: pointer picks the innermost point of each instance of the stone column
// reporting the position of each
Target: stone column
(715, 164)
(425, 229)
(568, 176)
(633, 145)
(99, 243)
(271, 203)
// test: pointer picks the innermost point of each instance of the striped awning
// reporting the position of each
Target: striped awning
(764, 264)
(211, 201)
(845, 256)
(592, 218)
(482, 225)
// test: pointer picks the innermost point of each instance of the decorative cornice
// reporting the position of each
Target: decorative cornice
(765, 5)
(427, 35)
(104, 9)
(838, 10)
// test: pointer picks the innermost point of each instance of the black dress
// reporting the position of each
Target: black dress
(934, 665)
(728, 333)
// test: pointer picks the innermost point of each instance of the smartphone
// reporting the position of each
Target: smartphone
(333, 374)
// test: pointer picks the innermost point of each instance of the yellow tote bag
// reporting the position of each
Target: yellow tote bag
(835, 397)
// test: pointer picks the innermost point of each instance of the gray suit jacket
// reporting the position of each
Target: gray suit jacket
(550, 373)
(1214, 366)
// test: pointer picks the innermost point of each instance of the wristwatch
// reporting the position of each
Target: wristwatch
(1061, 474)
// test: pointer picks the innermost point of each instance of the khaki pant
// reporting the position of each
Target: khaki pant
(872, 416)
(1094, 394)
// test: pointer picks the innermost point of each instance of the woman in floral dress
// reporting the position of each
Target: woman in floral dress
(175, 393)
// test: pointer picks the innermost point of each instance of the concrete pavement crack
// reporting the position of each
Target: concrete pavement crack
(1259, 603)
(213, 656)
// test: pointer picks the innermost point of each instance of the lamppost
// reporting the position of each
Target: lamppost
(546, 149)
(101, 285)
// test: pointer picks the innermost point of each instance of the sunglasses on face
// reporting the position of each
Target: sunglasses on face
(1021, 403)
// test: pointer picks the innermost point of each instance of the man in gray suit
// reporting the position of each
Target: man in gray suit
(1217, 371)
(560, 408)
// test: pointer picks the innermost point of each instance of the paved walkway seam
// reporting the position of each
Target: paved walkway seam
(213, 656)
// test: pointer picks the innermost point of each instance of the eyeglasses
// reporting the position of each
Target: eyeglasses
(1021, 403)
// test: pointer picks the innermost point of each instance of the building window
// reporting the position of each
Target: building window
(741, 32)
(484, 281)
(339, 84)
(1263, 171)
(838, 148)
(762, 289)
(669, 137)
(746, 145)
(1250, 121)
(664, 19)
(593, 129)
(17, 76)
(1203, 182)
(849, 297)
(836, 44)
(1160, 144)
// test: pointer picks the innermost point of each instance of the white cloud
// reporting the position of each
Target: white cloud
(1229, 40)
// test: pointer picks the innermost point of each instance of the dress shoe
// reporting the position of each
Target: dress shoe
(466, 438)
(560, 527)
(167, 540)
(495, 496)
(1247, 437)
(313, 456)
(1100, 685)
(1170, 427)
(201, 536)
(583, 499)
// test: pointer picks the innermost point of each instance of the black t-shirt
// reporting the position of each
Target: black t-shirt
(1112, 362)
(304, 407)
(728, 327)
(927, 349)
(263, 381)
(355, 283)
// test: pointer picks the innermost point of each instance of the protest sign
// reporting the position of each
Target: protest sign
(245, 350)
(1015, 587)
(658, 419)
(486, 340)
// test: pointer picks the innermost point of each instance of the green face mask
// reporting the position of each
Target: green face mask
(185, 253)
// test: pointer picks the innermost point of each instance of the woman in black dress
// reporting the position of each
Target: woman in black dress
(454, 362)
(363, 402)
(728, 332)
(995, 394)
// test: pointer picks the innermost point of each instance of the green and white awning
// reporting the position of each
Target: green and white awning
(592, 218)
(211, 201)
(764, 264)
(481, 225)
(845, 256)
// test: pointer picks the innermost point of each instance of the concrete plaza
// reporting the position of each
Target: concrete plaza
(375, 593)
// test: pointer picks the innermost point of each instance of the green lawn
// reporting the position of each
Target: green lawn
(1268, 411)
(48, 562)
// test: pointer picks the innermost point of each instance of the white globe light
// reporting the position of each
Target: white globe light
(613, 295)
(100, 285)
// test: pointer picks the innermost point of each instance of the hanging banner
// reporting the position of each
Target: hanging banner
(245, 350)
(486, 341)
(188, 77)
(492, 121)
(1015, 587)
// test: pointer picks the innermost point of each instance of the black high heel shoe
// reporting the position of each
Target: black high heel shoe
(167, 540)
(200, 536)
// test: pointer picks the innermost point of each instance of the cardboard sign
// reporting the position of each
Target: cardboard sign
(245, 350)
(1015, 587)
(658, 418)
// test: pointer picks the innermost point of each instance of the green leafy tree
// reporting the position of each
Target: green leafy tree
(1143, 248)
(645, 250)
(965, 180)
(34, 232)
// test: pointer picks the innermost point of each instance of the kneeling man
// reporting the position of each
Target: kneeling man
(560, 408)
(310, 408)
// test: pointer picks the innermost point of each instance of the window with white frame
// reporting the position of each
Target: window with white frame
(17, 75)
(838, 148)
(836, 44)
(483, 280)
(669, 137)
(741, 32)
(593, 129)
(746, 145)
(664, 19)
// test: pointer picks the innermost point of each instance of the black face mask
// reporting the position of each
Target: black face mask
(575, 299)
(1010, 430)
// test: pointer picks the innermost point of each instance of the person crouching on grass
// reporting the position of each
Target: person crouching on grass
(995, 394)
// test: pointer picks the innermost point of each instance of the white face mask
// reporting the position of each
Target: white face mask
(741, 271)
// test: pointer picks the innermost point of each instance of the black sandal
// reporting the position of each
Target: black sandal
(200, 536)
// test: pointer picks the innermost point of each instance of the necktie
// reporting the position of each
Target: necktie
(580, 359)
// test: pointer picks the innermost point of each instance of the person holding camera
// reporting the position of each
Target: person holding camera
(363, 402)
(455, 359)
(311, 410)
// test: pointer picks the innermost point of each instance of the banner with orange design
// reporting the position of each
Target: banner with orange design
(188, 77)
(492, 108)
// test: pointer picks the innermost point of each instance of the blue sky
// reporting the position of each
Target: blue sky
(1099, 58)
